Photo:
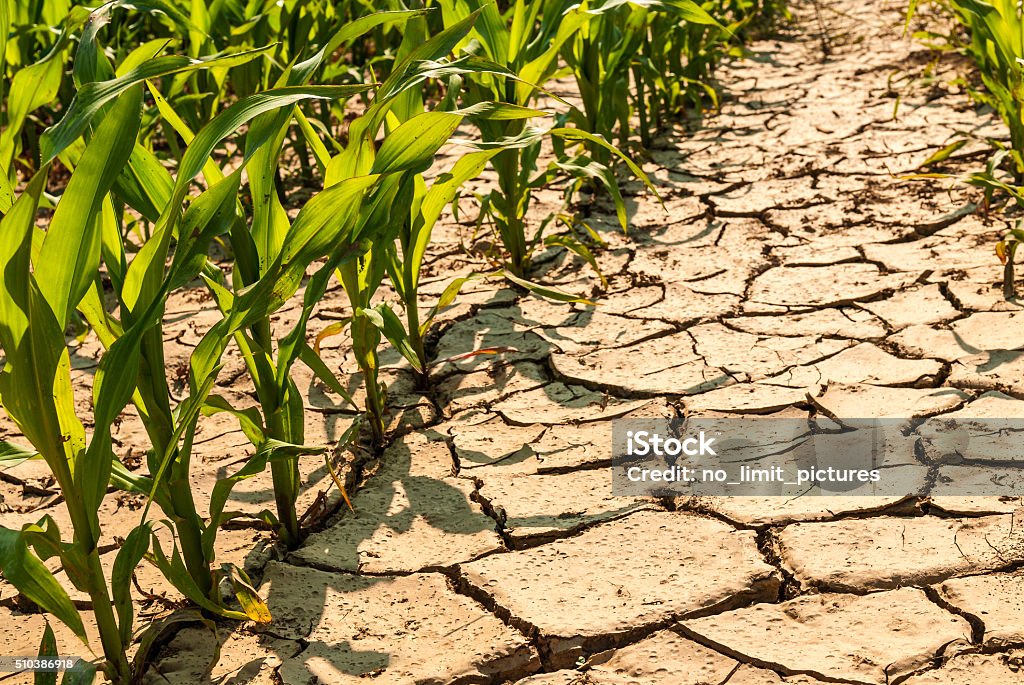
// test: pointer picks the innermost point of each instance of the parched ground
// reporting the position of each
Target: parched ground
(789, 271)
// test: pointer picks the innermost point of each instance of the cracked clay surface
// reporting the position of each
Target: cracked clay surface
(789, 271)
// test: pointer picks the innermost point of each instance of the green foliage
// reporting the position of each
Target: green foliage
(169, 127)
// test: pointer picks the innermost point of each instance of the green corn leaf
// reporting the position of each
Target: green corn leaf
(210, 169)
(412, 145)
(47, 650)
(249, 420)
(320, 152)
(92, 96)
(584, 136)
(350, 32)
(174, 570)
(129, 481)
(11, 454)
(210, 215)
(30, 577)
(441, 193)
(687, 9)
(943, 154)
(70, 253)
(573, 245)
(246, 110)
(144, 183)
(127, 560)
(269, 223)
(311, 359)
(84, 673)
(436, 47)
(32, 87)
(394, 330)
(6, 193)
(35, 386)
(545, 291)
(145, 273)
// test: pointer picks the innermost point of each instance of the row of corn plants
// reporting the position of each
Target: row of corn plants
(992, 35)
(166, 127)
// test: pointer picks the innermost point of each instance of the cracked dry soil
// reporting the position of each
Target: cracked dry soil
(789, 261)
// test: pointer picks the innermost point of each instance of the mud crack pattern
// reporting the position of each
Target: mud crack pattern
(486, 547)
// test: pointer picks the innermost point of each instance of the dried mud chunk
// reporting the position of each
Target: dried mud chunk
(564, 677)
(560, 403)
(842, 322)
(887, 552)
(632, 300)
(781, 193)
(664, 658)
(589, 329)
(491, 441)
(1001, 370)
(980, 333)
(536, 507)
(411, 515)
(975, 669)
(935, 252)
(975, 487)
(489, 445)
(815, 254)
(962, 505)
(409, 628)
(466, 390)
(595, 590)
(753, 357)
(996, 600)
(865, 363)
(821, 286)
(873, 401)
(489, 329)
(984, 294)
(746, 398)
(198, 655)
(682, 303)
(923, 305)
(764, 511)
(666, 365)
(866, 639)
(23, 632)
(752, 675)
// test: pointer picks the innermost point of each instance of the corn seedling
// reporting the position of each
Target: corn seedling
(40, 295)
(519, 51)
(997, 46)
(1006, 250)
(37, 298)
(639, 40)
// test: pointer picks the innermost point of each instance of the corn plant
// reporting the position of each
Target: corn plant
(405, 212)
(38, 295)
(521, 49)
(997, 45)
(404, 260)
(281, 412)
(672, 73)
(141, 286)
(38, 301)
